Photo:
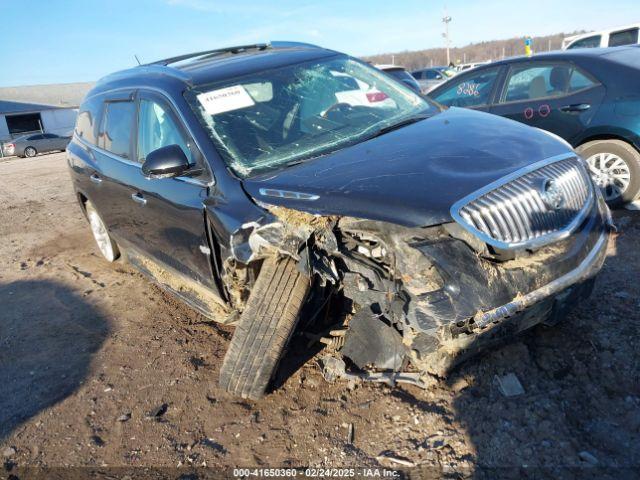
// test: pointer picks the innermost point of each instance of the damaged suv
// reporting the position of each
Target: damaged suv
(284, 186)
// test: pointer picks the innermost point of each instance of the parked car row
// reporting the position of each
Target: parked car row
(430, 78)
(611, 37)
(33, 144)
(284, 180)
(588, 97)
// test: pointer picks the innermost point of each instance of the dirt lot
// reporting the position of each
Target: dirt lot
(99, 367)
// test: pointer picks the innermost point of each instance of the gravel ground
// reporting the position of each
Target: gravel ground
(100, 368)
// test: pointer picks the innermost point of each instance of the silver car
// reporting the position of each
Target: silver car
(31, 145)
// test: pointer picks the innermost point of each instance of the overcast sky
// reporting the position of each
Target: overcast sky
(49, 41)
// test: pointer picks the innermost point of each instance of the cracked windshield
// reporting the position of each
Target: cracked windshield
(276, 118)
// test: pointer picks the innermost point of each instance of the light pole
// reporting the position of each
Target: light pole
(446, 19)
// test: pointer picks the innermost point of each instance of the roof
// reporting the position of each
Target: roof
(210, 66)
(600, 32)
(388, 66)
(611, 52)
(68, 95)
(9, 107)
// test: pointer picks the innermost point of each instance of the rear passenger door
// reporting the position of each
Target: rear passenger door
(114, 163)
(37, 141)
(555, 96)
(53, 142)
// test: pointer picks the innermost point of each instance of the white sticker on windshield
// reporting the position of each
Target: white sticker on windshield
(225, 99)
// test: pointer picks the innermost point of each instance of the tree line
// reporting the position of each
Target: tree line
(475, 52)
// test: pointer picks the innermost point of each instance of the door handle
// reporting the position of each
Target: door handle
(95, 179)
(138, 198)
(576, 107)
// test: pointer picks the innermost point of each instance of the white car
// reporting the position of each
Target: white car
(611, 37)
(356, 92)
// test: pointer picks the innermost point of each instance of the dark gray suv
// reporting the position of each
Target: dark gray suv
(285, 187)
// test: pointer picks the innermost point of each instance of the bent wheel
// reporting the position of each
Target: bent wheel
(106, 244)
(264, 329)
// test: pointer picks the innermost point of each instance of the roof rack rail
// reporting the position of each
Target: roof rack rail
(208, 53)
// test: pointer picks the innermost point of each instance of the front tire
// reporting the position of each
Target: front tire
(264, 329)
(30, 152)
(614, 166)
(106, 244)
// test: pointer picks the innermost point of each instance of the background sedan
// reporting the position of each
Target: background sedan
(589, 97)
(31, 145)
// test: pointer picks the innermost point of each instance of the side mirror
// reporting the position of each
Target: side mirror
(166, 162)
(438, 77)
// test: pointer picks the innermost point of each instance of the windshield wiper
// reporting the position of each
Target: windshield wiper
(402, 123)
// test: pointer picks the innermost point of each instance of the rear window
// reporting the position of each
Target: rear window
(433, 75)
(115, 134)
(623, 37)
(89, 119)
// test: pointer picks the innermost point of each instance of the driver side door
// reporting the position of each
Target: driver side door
(166, 215)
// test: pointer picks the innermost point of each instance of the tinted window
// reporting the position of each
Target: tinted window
(157, 128)
(417, 75)
(623, 37)
(404, 77)
(579, 80)
(530, 82)
(115, 134)
(89, 119)
(50, 135)
(433, 75)
(589, 42)
(35, 137)
(471, 90)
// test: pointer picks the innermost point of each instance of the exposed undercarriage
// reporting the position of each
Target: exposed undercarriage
(413, 302)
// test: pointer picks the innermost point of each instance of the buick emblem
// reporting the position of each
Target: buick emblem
(552, 194)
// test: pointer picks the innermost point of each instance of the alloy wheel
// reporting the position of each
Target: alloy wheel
(101, 235)
(610, 173)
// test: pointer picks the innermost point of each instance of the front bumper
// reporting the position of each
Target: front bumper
(587, 269)
(548, 304)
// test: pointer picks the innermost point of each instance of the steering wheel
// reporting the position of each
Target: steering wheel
(336, 107)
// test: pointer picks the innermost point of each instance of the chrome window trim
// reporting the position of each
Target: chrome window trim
(185, 125)
(535, 242)
(132, 163)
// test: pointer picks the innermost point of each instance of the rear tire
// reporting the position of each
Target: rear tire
(30, 152)
(264, 329)
(614, 166)
(107, 246)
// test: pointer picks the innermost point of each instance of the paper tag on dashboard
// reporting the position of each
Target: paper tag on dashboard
(225, 99)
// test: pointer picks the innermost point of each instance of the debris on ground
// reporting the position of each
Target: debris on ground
(391, 458)
(581, 381)
(124, 417)
(159, 411)
(587, 457)
(509, 385)
(633, 205)
(8, 452)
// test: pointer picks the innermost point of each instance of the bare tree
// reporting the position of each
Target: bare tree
(474, 52)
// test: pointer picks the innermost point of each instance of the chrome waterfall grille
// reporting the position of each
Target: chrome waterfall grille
(532, 207)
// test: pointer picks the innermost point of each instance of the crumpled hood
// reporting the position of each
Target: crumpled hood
(412, 176)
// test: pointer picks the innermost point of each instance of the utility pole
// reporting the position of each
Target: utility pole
(446, 19)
